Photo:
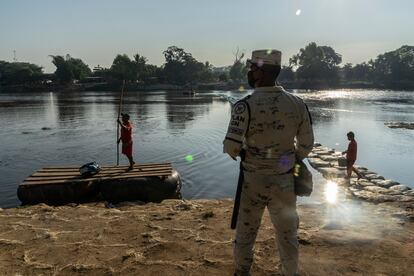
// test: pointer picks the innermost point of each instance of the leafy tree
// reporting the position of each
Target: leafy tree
(139, 64)
(347, 71)
(223, 77)
(394, 66)
(286, 74)
(68, 68)
(316, 63)
(151, 74)
(79, 69)
(206, 73)
(123, 68)
(359, 72)
(19, 72)
(181, 67)
(63, 70)
(176, 60)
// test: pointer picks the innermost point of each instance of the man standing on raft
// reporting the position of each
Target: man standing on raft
(126, 138)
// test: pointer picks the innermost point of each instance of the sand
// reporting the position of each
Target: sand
(193, 238)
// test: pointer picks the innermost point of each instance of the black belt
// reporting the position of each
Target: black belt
(289, 171)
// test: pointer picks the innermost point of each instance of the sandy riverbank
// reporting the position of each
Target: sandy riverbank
(193, 238)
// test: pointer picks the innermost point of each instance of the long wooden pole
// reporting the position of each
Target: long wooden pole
(117, 124)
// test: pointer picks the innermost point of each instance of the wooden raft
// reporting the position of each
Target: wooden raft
(70, 174)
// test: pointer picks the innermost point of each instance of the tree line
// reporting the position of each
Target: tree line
(312, 64)
(322, 64)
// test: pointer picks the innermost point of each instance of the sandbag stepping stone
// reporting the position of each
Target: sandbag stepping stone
(328, 158)
(362, 182)
(400, 188)
(405, 198)
(386, 183)
(318, 163)
(360, 168)
(373, 176)
(409, 193)
(376, 189)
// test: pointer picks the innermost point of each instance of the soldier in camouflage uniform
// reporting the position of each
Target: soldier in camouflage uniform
(274, 129)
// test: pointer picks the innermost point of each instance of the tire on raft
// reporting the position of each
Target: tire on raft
(146, 189)
(55, 195)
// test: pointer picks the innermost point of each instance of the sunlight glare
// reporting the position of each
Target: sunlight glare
(298, 12)
(336, 94)
(331, 191)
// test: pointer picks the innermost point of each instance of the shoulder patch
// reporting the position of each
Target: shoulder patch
(240, 107)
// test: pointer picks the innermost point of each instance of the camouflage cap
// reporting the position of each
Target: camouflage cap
(270, 57)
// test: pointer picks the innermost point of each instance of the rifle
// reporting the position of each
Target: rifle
(236, 206)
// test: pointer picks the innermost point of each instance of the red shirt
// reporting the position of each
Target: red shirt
(351, 153)
(126, 133)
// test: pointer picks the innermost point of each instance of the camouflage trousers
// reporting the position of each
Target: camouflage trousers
(260, 191)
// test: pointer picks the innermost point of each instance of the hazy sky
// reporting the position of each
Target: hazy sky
(97, 30)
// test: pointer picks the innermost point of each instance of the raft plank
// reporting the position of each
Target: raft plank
(33, 183)
(73, 173)
(97, 176)
(104, 169)
(101, 173)
(107, 166)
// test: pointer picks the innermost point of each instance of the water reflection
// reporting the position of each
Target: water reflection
(71, 109)
(188, 131)
(182, 109)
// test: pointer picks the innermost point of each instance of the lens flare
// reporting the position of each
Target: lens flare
(298, 12)
(331, 192)
(188, 158)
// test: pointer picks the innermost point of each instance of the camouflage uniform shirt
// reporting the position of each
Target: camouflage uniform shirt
(273, 126)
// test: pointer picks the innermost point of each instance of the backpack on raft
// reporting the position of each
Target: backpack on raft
(89, 169)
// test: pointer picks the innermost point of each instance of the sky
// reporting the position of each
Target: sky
(211, 30)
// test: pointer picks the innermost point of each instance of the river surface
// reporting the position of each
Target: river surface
(60, 128)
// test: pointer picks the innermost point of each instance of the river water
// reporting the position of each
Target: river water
(60, 128)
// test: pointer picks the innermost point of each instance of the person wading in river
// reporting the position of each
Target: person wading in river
(351, 156)
(126, 138)
(271, 128)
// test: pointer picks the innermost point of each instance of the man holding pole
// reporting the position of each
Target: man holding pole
(126, 138)
(271, 129)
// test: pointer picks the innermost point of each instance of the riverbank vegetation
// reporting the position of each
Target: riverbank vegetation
(313, 67)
